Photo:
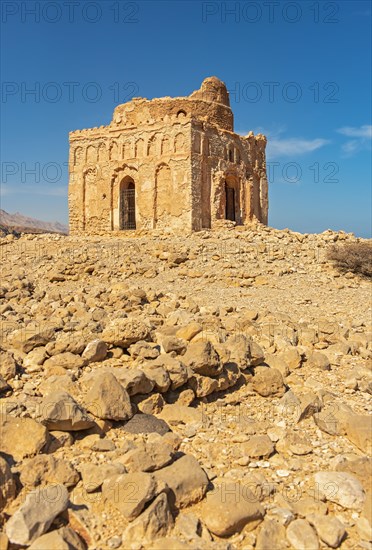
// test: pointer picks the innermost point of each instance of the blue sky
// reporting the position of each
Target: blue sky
(300, 72)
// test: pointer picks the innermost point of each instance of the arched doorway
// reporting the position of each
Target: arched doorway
(127, 204)
(230, 202)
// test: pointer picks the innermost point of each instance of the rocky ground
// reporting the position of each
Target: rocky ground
(204, 391)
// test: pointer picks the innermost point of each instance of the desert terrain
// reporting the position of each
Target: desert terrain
(206, 390)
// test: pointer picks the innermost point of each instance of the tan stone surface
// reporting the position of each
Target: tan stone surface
(168, 282)
(181, 159)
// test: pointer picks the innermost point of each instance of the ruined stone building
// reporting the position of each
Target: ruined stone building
(167, 163)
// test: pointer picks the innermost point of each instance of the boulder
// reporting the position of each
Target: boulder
(258, 446)
(124, 332)
(156, 521)
(172, 343)
(59, 539)
(187, 332)
(342, 488)
(158, 375)
(330, 529)
(186, 480)
(65, 360)
(180, 414)
(93, 476)
(95, 351)
(107, 399)
(8, 365)
(151, 458)
(60, 411)
(44, 469)
(146, 423)
(268, 382)
(22, 437)
(135, 381)
(7, 484)
(302, 536)
(176, 370)
(358, 429)
(36, 514)
(230, 507)
(203, 359)
(129, 493)
(31, 336)
(270, 536)
(318, 360)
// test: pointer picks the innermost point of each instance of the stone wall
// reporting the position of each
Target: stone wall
(179, 155)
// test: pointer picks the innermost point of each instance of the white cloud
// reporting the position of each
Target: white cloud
(362, 138)
(364, 131)
(293, 147)
(287, 147)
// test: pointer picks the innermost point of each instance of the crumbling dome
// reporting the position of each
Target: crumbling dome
(213, 90)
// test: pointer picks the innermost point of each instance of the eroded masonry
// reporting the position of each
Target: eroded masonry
(167, 163)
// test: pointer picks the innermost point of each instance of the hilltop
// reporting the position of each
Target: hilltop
(206, 390)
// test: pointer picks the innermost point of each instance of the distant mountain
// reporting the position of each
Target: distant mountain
(18, 223)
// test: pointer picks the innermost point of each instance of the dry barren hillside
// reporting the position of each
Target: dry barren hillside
(197, 391)
(18, 223)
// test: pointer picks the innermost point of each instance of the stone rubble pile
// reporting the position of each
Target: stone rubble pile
(207, 391)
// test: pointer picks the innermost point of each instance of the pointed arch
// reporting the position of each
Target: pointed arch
(162, 190)
(139, 148)
(165, 145)
(152, 146)
(78, 156)
(179, 143)
(91, 154)
(113, 150)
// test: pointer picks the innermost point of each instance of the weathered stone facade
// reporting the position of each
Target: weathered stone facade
(167, 163)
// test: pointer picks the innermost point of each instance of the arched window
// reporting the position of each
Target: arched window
(230, 202)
